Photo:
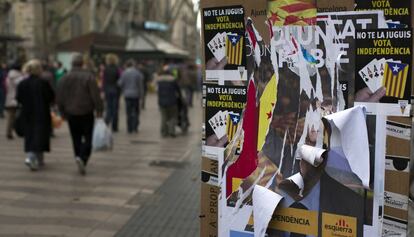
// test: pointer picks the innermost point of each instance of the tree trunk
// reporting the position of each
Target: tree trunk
(56, 23)
(131, 15)
(92, 15)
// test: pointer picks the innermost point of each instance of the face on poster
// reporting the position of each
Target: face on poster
(383, 71)
(224, 106)
(306, 62)
(224, 43)
(397, 12)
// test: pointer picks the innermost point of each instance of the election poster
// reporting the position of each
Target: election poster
(224, 106)
(224, 43)
(342, 27)
(383, 71)
(397, 13)
(290, 167)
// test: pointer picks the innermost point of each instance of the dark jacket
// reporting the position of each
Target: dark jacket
(35, 96)
(78, 93)
(168, 91)
(110, 79)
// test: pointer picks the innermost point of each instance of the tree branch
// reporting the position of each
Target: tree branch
(67, 13)
(111, 13)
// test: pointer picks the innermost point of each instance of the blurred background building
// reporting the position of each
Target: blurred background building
(51, 28)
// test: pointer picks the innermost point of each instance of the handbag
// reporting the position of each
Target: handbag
(56, 120)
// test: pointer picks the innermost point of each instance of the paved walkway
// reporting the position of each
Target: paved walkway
(173, 209)
(57, 201)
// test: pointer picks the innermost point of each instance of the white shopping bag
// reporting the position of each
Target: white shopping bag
(102, 136)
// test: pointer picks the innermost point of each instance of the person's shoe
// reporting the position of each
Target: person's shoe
(10, 137)
(32, 164)
(81, 166)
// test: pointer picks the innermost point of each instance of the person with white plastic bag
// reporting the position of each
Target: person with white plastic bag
(102, 136)
(78, 100)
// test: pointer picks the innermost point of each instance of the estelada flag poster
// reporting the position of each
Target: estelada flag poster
(224, 43)
(383, 71)
(223, 110)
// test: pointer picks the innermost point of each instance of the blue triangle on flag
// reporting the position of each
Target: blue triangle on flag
(235, 118)
(234, 39)
(396, 67)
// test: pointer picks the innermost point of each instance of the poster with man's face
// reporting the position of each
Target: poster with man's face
(307, 63)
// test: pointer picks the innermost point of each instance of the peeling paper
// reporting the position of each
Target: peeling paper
(312, 155)
(264, 204)
(228, 217)
(298, 180)
(349, 130)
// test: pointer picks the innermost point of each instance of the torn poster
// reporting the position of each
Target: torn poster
(349, 131)
(310, 66)
(265, 202)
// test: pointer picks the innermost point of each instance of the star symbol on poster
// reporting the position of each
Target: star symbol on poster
(235, 120)
(234, 40)
(395, 68)
(269, 115)
(274, 17)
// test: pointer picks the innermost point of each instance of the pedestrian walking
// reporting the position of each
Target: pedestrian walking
(147, 79)
(14, 77)
(3, 75)
(132, 87)
(60, 71)
(35, 97)
(111, 90)
(78, 99)
(188, 81)
(168, 96)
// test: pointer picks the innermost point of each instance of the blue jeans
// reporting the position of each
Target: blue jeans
(132, 112)
(112, 107)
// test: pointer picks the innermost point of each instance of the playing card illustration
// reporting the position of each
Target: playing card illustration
(217, 123)
(217, 46)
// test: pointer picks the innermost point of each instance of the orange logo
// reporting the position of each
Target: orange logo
(338, 226)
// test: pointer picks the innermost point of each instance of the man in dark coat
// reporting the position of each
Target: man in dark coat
(35, 96)
(168, 96)
(78, 100)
